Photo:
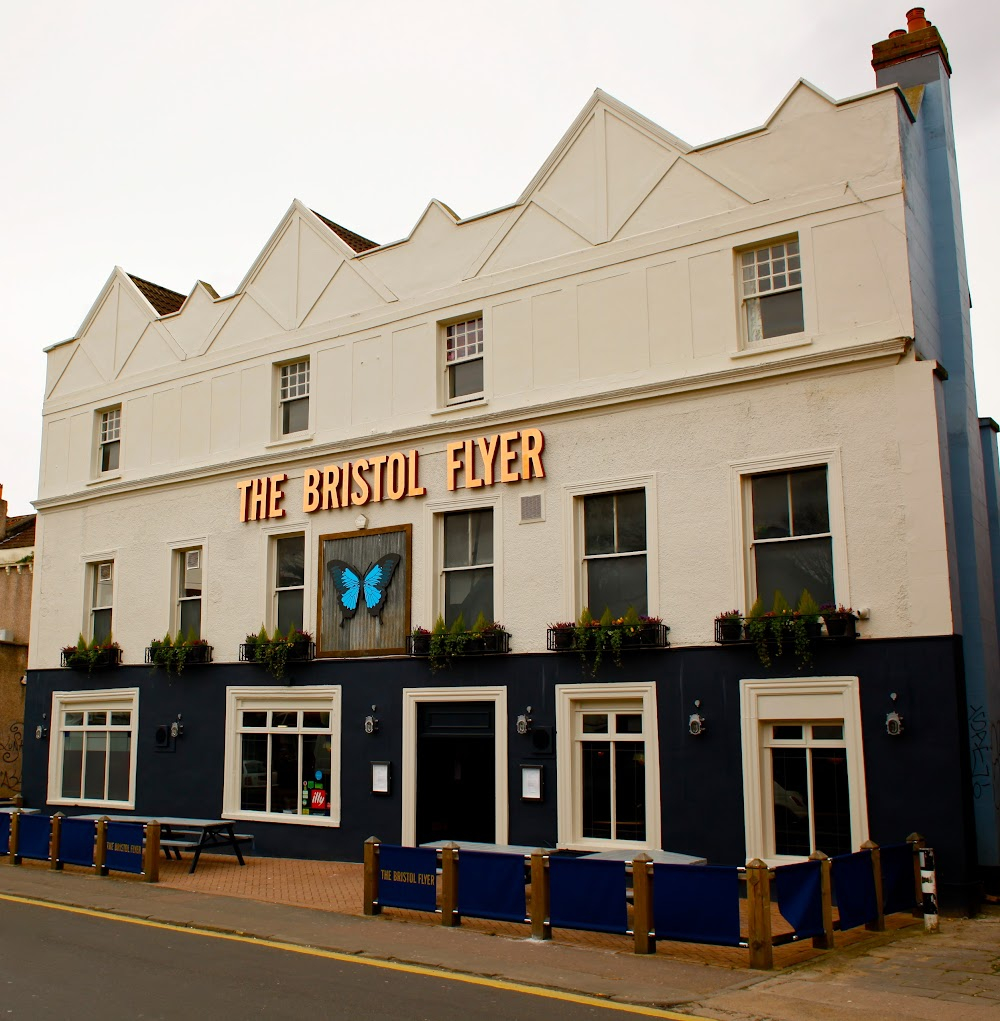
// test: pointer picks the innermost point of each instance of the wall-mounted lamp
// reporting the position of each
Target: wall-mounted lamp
(371, 722)
(893, 721)
(177, 728)
(696, 722)
(524, 721)
(41, 731)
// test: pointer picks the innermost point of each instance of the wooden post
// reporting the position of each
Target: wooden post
(928, 888)
(824, 941)
(759, 915)
(55, 842)
(101, 847)
(449, 885)
(371, 906)
(151, 853)
(916, 841)
(15, 837)
(18, 801)
(642, 904)
(541, 928)
(877, 924)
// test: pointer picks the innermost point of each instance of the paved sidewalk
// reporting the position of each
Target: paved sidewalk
(901, 974)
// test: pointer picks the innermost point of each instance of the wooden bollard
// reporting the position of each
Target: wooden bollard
(877, 924)
(825, 940)
(15, 837)
(449, 885)
(928, 888)
(55, 842)
(642, 904)
(541, 928)
(916, 841)
(371, 905)
(101, 847)
(759, 915)
(151, 853)
(18, 801)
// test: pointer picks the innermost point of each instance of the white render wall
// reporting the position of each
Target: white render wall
(612, 322)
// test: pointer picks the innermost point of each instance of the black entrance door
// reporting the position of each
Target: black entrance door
(456, 770)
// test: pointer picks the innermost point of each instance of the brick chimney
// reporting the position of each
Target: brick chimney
(910, 57)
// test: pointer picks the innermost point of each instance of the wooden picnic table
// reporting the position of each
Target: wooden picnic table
(182, 834)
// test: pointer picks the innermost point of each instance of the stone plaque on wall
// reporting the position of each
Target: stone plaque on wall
(364, 592)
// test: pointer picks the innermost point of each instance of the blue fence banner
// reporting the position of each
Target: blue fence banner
(898, 884)
(800, 897)
(491, 885)
(697, 904)
(854, 888)
(4, 833)
(76, 841)
(407, 877)
(124, 847)
(33, 837)
(585, 893)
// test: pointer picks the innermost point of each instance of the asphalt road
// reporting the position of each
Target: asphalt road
(60, 964)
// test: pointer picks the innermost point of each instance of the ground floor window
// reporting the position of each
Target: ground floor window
(92, 750)
(283, 754)
(804, 779)
(607, 765)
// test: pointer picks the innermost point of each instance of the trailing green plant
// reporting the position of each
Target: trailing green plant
(447, 642)
(273, 651)
(757, 629)
(89, 655)
(173, 653)
(769, 630)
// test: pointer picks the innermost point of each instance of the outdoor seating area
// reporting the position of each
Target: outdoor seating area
(724, 906)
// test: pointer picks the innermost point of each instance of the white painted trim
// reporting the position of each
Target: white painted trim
(566, 767)
(842, 700)
(740, 472)
(274, 696)
(102, 698)
(411, 697)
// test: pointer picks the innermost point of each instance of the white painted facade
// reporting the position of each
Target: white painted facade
(613, 322)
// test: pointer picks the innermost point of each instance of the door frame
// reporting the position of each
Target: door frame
(411, 697)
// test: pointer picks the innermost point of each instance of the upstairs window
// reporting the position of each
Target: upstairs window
(791, 548)
(464, 359)
(289, 582)
(468, 566)
(293, 397)
(189, 589)
(772, 290)
(614, 552)
(110, 439)
(101, 595)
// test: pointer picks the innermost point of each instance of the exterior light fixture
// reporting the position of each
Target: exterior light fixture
(371, 722)
(524, 721)
(893, 721)
(696, 722)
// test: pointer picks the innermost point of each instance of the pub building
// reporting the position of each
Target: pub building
(666, 382)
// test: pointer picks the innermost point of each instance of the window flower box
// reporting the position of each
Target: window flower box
(443, 644)
(91, 655)
(594, 639)
(174, 654)
(273, 652)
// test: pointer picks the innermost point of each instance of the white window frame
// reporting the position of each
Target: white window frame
(501, 727)
(796, 699)
(314, 698)
(570, 698)
(297, 390)
(443, 571)
(479, 353)
(744, 589)
(93, 568)
(575, 577)
(107, 432)
(749, 290)
(98, 700)
(272, 577)
(177, 581)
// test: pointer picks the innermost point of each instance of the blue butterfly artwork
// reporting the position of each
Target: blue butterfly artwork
(352, 586)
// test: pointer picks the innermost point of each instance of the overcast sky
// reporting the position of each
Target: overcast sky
(170, 138)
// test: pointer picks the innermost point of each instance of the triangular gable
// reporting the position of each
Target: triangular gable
(79, 374)
(536, 235)
(150, 352)
(199, 318)
(248, 322)
(346, 294)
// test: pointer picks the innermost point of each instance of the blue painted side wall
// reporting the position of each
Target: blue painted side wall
(942, 331)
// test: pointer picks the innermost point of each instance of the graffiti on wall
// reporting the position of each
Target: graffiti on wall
(984, 741)
(10, 759)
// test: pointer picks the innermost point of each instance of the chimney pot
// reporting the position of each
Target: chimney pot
(896, 33)
(915, 20)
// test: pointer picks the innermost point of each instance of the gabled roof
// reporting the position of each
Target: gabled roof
(20, 532)
(162, 299)
(355, 241)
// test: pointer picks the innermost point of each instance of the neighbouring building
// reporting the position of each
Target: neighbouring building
(668, 378)
(17, 547)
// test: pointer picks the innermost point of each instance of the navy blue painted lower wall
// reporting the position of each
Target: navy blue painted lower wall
(916, 782)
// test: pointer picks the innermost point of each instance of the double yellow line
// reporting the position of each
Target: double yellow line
(333, 955)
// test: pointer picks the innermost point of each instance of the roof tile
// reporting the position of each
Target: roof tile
(162, 299)
(355, 241)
